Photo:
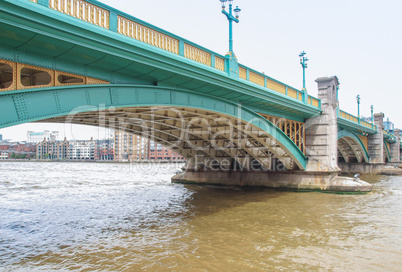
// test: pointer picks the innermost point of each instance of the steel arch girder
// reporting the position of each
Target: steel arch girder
(29, 105)
(351, 137)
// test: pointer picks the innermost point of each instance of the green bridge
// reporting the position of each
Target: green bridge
(84, 62)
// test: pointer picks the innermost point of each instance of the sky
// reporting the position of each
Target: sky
(359, 41)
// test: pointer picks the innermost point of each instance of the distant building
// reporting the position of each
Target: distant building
(37, 137)
(366, 119)
(17, 151)
(66, 150)
(81, 150)
(104, 150)
(5, 151)
(160, 153)
(3, 155)
(52, 150)
(388, 125)
(129, 147)
(1, 138)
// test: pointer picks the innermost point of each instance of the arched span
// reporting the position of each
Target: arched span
(212, 127)
(387, 152)
(350, 145)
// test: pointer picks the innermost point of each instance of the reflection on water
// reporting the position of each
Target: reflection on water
(116, 217)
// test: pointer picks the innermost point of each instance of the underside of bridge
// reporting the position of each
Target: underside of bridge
(210, 132)
(351, 148)
(208, 140)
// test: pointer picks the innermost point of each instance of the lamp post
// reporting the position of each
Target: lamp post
(231, 19)
(337, 100)
(358, 106)
(303, 62)
(372, 114)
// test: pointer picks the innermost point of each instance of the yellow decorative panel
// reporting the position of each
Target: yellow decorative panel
(36, 1)
(82, 10)
(220, 64)
(256, 78)
(300, 96)
(364, 139)
(243, 73)
(316, 102)
(292, 93)
(26, 76)
(366, 124)
(309, 100)
(389, 147)
(275, 86)
(293, 129)
(197, 54)
(90, 80)
(59, 82)
(28, 84)
(145, 34)
(348, 116)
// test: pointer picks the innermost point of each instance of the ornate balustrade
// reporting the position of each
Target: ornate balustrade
(355, 119)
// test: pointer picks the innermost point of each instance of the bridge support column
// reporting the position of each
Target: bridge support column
(321, 131)
(395, 147)
(376, 141)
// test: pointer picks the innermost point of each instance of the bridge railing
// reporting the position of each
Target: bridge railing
(102, 15)
(82, 10)
(275, 85)
(354, 119)
(99, 14)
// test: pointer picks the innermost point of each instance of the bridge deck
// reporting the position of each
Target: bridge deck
(94, 40)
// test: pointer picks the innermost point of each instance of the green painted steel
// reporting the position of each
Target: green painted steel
(24, 106)
(356, 139)
(33, 34)
(303, 62)
(388, 152)
(346, 124)
(231, 19)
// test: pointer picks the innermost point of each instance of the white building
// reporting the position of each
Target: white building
(81, 150)
(3, 155)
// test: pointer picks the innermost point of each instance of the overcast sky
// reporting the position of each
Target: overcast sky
(360, 41)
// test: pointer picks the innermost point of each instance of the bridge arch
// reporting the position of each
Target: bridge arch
(192, 124)
(387, 152)
(351, 146)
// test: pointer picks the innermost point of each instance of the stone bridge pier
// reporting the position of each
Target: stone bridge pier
(376, 142)
(321, 171)
(395, 148)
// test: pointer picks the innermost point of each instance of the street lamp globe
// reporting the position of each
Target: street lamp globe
(230, 2)
(237, 12)
(223, 2)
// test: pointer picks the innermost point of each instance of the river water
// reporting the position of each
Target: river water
(121, 217)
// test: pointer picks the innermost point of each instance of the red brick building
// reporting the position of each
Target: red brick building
(158, 152)
(104, 150)
(17, 151)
